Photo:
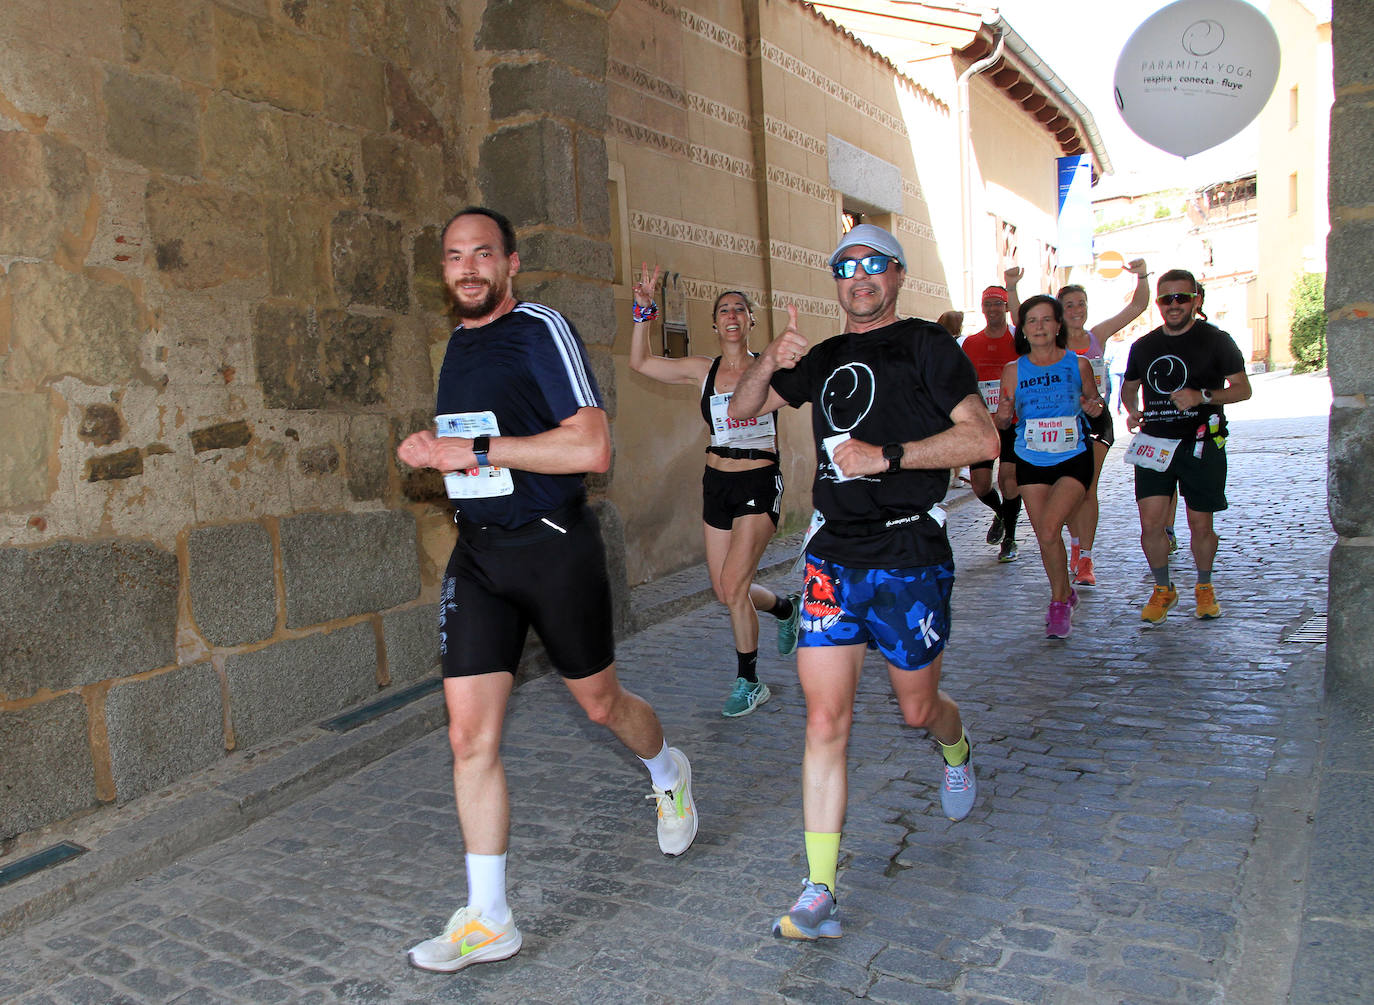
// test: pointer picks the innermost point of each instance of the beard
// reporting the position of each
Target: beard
(481, 308)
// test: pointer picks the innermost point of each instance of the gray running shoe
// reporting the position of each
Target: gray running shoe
(814, 915)
(1008, 552)
(960, 788)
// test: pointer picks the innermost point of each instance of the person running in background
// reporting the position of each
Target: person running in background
(1045, 395)
(1088, 343)
(519, 421)
(741, 486)
(894, 404)
(990, 350)
(1189, 369)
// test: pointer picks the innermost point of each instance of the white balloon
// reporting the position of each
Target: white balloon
(1196, 73)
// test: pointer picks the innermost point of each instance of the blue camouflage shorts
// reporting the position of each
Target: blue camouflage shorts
(903, 613)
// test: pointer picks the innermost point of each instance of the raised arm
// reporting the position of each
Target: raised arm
(1010, 278)
(578, 444)
(691, 370)
(753, 395)
(1139, 301)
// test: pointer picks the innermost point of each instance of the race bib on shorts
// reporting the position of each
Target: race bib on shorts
(1151, 452)
(1057, 435)
(474, 483)
(725, 430)
(991, 390)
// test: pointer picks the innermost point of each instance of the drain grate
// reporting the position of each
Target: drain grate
(38, 861)
(359, 716)
(1311, 630)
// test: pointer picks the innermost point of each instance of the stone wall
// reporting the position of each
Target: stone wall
(1350, 339)
(220, 310)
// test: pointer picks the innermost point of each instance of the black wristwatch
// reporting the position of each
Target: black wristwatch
(480, 446)
(893, 452)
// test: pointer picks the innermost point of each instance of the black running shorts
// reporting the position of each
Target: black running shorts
(498, 585)
(729, 494)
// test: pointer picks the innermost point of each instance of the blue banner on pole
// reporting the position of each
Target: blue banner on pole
(1075, 210)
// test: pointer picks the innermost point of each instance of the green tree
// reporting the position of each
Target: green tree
(1307, 327)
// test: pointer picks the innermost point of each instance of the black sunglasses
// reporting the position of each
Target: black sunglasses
(873, 265)
(1169, 299)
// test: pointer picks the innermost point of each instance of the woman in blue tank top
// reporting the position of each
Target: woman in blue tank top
(1048, 394)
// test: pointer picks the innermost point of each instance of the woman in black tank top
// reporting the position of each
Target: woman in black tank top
(742, 487)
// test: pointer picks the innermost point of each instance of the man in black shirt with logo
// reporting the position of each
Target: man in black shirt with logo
(1188, 369)
(894, 406)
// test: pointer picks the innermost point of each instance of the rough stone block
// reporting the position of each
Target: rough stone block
(24, 449)
(45, 189)
(1352, 38)
(1349, 459)
(318, 461)
(554, 251)
(322, 159)
(262, 62)
(244, 142)
(298, 250)
(232, 583)
(869, 181)
(1351, 152)
(368, 263)
(71, 324)
(100, 425)
(222, 436)
(593, 194)
(279, 689)
(412, 643)
(153, 122)
(336, 565)
(163, 728)
(562, 32)
(355, 91)
(1349, 247)
(113, 467)
(1350, 630)
(368, 453)
(602, 362)
(526, 170)
(168, 36)
(392, 177)
(48, 772)
(354, 352)
(547, 88)
(286, 343)
(204, 236)
(427, 268)
(589, 306)
(410, 116)
(1350, 355)
(75, 613)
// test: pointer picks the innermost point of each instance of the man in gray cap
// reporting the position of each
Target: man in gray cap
(895, 405)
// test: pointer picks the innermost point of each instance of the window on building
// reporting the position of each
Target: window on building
(1293, 194)
(1293, 107)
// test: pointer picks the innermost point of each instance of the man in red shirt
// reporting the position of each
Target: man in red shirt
(990, 350)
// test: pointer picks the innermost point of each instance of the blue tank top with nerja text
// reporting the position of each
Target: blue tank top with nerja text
(1049, 411)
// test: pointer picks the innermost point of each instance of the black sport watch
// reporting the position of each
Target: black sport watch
(480, 446)
(893, 452)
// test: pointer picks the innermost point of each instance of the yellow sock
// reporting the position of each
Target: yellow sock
(822, 857)
(956, 754)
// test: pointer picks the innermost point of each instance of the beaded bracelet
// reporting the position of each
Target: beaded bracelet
(642, 314)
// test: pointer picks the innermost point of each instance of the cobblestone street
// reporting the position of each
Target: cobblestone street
(1141, 833)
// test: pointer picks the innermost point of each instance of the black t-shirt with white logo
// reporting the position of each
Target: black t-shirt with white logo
(894, 384)
(1201, 358)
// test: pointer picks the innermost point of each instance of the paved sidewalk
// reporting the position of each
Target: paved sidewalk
(1143, 832)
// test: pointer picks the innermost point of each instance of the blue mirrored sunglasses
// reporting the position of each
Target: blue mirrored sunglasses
(873, 265)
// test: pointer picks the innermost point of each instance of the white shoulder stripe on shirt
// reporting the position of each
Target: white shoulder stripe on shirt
(566, 341)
